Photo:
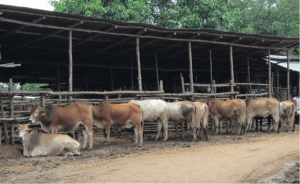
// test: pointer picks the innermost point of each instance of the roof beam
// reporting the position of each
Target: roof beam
(133, 35)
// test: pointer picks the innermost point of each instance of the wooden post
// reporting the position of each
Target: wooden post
(138, 63)
(249, 79)
(132, 86)
(214, 88)
(5, 133)
(231, 72)
(191, 69)
(12, 116)
(277, 84)
(0, 138)
(211, 79)
(111, 79)
(2, 109)
(157, 78)
(11, 85)
(43, 101)
(269, 75)
(161, 85)
(182, 83)
(288, 75)
(70, 65)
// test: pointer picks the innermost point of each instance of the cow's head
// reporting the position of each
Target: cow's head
(24, 130)
(210, 101)
(37, 113)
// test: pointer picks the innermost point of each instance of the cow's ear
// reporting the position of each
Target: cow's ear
(29, 130)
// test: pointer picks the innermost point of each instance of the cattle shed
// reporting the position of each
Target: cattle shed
(90, 59)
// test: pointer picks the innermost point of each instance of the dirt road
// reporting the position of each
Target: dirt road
(224, 159)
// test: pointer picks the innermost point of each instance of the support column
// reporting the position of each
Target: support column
(111, 79)
(11, 111)
(182, 83)
(211, 79)
(288, 75)
(138, 63)
(269, 75)
(132, 86)
(70, 65)
(249, 79)
(157, 78)
(231, 72)
(191, 68)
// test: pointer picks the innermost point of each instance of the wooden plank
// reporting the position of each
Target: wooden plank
(157, 77)
(191, 68)
(269, 75)
(138, 63)
(70, 64)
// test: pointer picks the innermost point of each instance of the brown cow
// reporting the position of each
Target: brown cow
(287, 113)
(67, 119)
(201, 118)
(124, 115)
(36, 143)
(235, 110)
(262, 108)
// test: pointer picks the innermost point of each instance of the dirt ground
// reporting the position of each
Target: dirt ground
(254, 157)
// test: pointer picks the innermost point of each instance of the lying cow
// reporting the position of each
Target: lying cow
(36, 143)
(201, 118)
(287, 113)
(124, 115)
(183, 111)
(262, 108)
(67, 119)
(234, 110)
(155, 110)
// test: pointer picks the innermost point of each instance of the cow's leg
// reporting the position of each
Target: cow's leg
(136, 135)
(261, 121)
(216, 125)
(256, 127)
(221, 126)
(294, 123)
(159, 127)
(107, 130)
(85, 136)
(140, 133)
(181, 127)
(90, 134)
(54, 130)
(165, 122)
(205, 128)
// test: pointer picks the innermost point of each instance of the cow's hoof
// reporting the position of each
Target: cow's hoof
(286, 130)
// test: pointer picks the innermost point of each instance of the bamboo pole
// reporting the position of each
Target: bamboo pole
(269, 75)
(249, 79)
(182, 83)
(288, 75)
(157, 77)
(211, 79)
(138, 63)
(111, 79)
(132, 86)
(191, 68)
(70, 64)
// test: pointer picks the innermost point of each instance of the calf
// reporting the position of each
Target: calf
(124, 115)
(36, 143)
(262, 108)
(183, 111)
(287, 113)
(67, 119)
(235, 110)
(155, 110)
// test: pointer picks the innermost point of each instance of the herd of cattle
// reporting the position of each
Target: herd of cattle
(133, 114)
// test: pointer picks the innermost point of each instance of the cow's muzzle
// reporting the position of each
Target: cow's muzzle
(21, 137)
(31, 120)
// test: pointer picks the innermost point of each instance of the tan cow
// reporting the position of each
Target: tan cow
(262, 108)
(124, 115)
(201, 118)
(67, 119)
(36, 143)
(235, 110)
(287, 113)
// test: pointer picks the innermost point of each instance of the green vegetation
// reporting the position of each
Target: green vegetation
(27, 87)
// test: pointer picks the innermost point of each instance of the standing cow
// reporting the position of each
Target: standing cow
(67, 119)
(201, 118)
(36, 143)
(183, 111)
(155, 110)
(262, 108)
(124, 115)
(235, 110)
(287, 113)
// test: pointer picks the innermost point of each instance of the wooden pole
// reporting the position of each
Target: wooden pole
(157, 77)
(43, 101)
(111, 79)
(211, 79)
(138, 63)
(231, 72)
(191, 69)
(249, 79)
(2, 110)
(161, 85)
(0, 138)
(288, 75)
(272, 84)
(4, 123)
(12, 116)
(70, 65)
(277, 84)
(132, 86)
(269, 75)
(182, 83)
(11, 85)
